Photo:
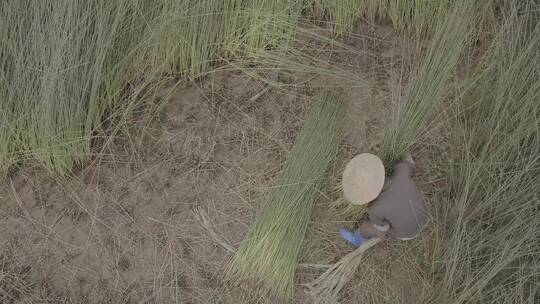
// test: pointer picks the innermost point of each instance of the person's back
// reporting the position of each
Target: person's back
(400, 210)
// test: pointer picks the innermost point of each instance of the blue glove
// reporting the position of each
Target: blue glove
(352, 237)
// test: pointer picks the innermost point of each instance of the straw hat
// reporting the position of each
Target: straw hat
(363, 178)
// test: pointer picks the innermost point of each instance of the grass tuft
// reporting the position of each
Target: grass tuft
(66, 64)
(429, 88)
(490, 249)
(427, 92)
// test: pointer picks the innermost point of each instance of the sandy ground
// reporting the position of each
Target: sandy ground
(123, 230)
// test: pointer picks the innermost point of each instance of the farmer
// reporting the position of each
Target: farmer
(398, 212)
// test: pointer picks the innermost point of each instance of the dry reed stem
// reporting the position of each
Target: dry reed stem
(204, 220)
(326, 288)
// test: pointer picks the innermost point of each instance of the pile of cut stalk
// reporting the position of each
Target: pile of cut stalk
(270, 252)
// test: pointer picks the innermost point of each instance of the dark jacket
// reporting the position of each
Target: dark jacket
(400, 207)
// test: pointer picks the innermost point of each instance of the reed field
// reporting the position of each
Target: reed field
(186, 151)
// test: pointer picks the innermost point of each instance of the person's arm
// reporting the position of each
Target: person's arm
(375, 226)
(378, 221)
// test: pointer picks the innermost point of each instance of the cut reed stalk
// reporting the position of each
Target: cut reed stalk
(325, 289)
(270, 252)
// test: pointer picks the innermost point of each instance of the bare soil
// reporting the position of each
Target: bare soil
(123, 230)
